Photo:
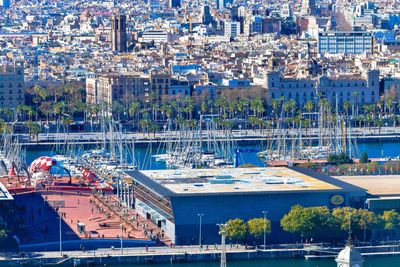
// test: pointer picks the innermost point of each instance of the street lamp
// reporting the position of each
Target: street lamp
(59, 217)
(200, 216)
(122, 247)
(265, 226)
(222, 232)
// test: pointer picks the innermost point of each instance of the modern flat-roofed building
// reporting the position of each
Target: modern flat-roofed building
(231, 28)
(174, 3)
(5, 3)
(157, 36)
(342, 42)
(175, 199)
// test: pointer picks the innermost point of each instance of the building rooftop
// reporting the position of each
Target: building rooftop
(377, 185)
(236, 181)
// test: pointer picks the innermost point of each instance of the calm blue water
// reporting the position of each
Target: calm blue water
(142, 157)
(374, 150)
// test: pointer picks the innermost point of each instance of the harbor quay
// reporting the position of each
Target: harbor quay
(249, 136)
(182, 254)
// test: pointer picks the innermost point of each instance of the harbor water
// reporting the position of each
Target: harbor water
(145, 161)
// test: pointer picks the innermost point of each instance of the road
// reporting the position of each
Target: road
(237, 135)
(132, 251)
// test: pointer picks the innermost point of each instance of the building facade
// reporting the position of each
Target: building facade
(355, 88)
(231, 28)
(174, 3)
(12, 85)
(160, 84)
(157, 36)
(118, 33)
(5, 3)
(107, 88)
(351, 42)
(308, 7)
(174, 199)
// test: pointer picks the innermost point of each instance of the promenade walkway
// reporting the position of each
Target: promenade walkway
(238, 135)
(101, 216)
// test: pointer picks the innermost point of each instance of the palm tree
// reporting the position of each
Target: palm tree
(346, 107)
(41, 92)
(133, 111)
(204, 107)
(309, 107)
(355, 97)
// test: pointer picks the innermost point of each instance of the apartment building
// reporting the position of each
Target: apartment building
(12, 85)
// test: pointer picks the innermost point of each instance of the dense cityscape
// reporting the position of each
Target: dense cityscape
(173, 132)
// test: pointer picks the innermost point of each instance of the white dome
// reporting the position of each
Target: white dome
(350, 254)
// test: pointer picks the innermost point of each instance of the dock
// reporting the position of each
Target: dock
(180, 254)
(94, 138)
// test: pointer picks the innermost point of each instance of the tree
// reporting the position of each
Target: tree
(390, 220)
(364, 157)
(366, 220)
(342, 158)
(361, 219)
(34, 129)
(256, 227)
(308, 222)
(133, 110)
(236, 229)
(3, 234)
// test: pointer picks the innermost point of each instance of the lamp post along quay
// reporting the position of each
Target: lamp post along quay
(59, 217)
(265, 227)
(200, 217)
(222, 232)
